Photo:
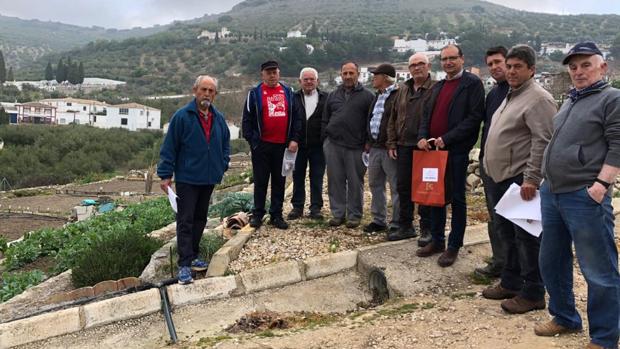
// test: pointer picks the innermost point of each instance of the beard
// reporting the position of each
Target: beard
(205, 103)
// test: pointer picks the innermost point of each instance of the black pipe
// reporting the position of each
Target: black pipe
(165, 305)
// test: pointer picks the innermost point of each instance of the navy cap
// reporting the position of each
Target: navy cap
(583, 48)
(386, 69)
(269, 65)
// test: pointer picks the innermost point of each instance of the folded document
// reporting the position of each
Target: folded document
(525, 214)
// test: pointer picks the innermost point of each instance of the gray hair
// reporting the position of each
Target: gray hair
(390, 79)
(202, 77)
(309, 69)
(423, 56)
(524, 53)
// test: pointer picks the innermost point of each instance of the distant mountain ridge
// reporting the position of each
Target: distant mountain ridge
(167, 61)
(24, 40)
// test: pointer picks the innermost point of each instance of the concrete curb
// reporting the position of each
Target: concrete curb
(140, 304)
(218, 266)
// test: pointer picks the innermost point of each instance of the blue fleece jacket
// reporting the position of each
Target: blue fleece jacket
(186, 152)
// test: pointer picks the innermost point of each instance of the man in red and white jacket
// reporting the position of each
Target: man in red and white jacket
(271, 123)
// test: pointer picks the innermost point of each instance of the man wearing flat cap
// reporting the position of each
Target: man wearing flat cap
(270, 124)
(382, 168)
(580, 165)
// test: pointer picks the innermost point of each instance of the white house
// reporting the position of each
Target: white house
(131, 116)
(36, 113)
(295, 34)
(224, 32)
(402, 46)
(76, 111)
(438, 44)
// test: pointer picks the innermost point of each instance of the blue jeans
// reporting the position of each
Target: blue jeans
(576, 217)
(457, 168)
(315, 157)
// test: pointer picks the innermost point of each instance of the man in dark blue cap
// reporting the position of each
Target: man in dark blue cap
(270, 124)
(580, 165)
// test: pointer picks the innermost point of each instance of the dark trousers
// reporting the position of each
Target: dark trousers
(490, 190)
(192, 207)
(314, 157)
(520, 272)
(457, 165)
(404, 162)
(266, 163)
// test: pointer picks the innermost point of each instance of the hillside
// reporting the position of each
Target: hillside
(166, 62)
(22, 40)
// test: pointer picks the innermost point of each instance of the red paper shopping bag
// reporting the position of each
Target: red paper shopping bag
(429, 183)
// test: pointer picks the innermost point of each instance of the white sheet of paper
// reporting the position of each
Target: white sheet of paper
(525, 214)
(172, 197)
(430, 174)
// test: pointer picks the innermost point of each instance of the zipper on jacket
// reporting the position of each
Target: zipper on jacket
(553, 138)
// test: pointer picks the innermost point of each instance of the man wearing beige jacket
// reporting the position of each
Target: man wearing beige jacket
(520, 130)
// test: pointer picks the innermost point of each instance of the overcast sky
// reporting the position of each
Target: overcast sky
(123, 14)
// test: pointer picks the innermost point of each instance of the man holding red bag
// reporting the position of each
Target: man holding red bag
(452, 117)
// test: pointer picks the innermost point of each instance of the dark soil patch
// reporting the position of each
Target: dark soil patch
(45, 264)
(12, 227)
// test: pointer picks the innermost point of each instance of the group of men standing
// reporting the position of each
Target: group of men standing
(569, 157)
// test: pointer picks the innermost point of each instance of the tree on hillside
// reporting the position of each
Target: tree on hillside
(81, 73)
(49, 71)
(61, 71)
(615, 47)
(2, 68)
(9, 75)
(4, 117)
(73, 74)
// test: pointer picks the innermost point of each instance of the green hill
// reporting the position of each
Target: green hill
(23, 41)
(166, 62)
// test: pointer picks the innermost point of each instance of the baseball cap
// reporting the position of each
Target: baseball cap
(583, 48)
(269, 65)
(386, 69)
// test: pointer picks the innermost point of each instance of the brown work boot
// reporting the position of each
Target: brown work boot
(594, 346)
(520, 305)
(551, 328)
(447, 258)
(430, 249)
(498, 292)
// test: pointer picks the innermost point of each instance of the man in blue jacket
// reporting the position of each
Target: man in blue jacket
(455, 111)
(196, 151)
(271, 124)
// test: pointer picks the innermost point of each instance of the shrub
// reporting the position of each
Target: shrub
(115, 256)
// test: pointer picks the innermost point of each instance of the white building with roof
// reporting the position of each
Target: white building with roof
(131, 116)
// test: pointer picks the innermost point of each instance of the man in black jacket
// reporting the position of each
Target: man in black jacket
(312, 102)
(496, 61)
(344, 131)
(452, 118)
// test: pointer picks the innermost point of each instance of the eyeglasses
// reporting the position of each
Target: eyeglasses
(450, 58)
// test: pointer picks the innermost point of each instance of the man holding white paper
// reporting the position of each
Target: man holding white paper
(196, 151)
(520, 130)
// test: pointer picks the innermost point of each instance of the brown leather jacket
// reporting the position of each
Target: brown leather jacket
(407, 112)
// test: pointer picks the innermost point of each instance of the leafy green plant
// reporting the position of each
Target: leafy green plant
(232, 203)
(15, 283)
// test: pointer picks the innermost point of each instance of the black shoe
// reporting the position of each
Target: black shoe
(402, 234)
(295, 213)
(334, 222)
(393, 229)
(256, 221)
(279, 223)
(374, 227)
(425, 238)
(490, 271)
(315, 215)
